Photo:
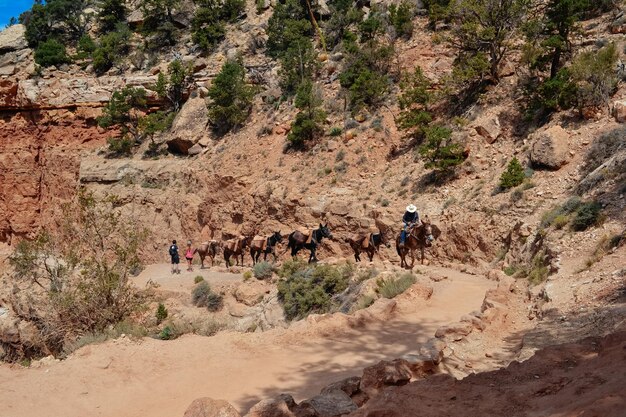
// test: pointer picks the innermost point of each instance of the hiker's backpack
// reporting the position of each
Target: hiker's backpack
(173, 251)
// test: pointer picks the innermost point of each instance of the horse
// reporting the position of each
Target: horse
(265, 246)
(209, 249)
(417, 237)
(298, 240)
(237, 248)
(375, 240)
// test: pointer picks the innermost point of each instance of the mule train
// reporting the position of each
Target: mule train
(419, 237)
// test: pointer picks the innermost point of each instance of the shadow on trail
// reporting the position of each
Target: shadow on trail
(343, 354)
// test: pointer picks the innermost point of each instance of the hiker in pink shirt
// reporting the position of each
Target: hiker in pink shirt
(189, 256)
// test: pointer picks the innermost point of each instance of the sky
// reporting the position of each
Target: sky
(9, 8)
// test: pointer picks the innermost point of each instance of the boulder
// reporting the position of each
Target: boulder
(455, 331)
(489, 128)
(12, 39)
(332, 403)
(179, 146)
(619, 111)
(348, 385)
(249, 294)
(191, 122)
(208, 407)
(278, 407)
(385, 373)
(550, 148)
(194, 150)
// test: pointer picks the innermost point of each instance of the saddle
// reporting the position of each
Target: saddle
(308, 233)
(364, 240)
(233, 245)
(259, 242)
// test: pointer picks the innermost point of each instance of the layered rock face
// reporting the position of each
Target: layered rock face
(39, 162)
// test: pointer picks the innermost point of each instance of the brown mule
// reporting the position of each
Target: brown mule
(418, 237)
(207, 249)
(298, 241)
(368, 243)
(236, 247)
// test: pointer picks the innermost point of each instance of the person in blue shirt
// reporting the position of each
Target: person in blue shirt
(411, 217)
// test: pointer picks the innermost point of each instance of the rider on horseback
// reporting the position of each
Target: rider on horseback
(410, 219)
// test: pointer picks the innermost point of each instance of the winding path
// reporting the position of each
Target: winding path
(123, 378)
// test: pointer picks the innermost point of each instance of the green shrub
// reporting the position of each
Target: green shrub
(110, 14)
(587, 215)
(364, 302)
(167, 333)
(372, 26)
(439, 151)
(121, 146)
(111, 48)
(510, 270)
(308, 123)
(86, 46)
(335, 131)
(198, 279)
(215, 302)
(208, 23)
(158, 26)
(287, 26)
(203, 296)
(309, 289)
(513, 176)
(401, 17)
(291, 266)
(365, 74)
(389, 288)
(595, 76)
(51, 52)
(570, 206)
(539, 270)
(159, 121)
(173, 85)
(560, 221)
(231, 98)
(161, 313)
(263, 270)
(558, 93)
(118, 113)
(247, 276)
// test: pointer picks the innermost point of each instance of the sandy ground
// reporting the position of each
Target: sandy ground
(125, 378)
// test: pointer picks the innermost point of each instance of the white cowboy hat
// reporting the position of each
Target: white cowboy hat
(411, 208)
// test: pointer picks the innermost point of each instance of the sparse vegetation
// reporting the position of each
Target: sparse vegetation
(391, 287)
(587, 215)
(75, 280)
(306, 289)
(203, 296)
(247, 276)
(263, 270)
(161, 313)
(121, 112)
(198, 279)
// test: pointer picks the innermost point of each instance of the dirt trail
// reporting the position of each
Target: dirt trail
(124, 378)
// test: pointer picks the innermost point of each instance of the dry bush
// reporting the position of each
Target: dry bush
(73, 280)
